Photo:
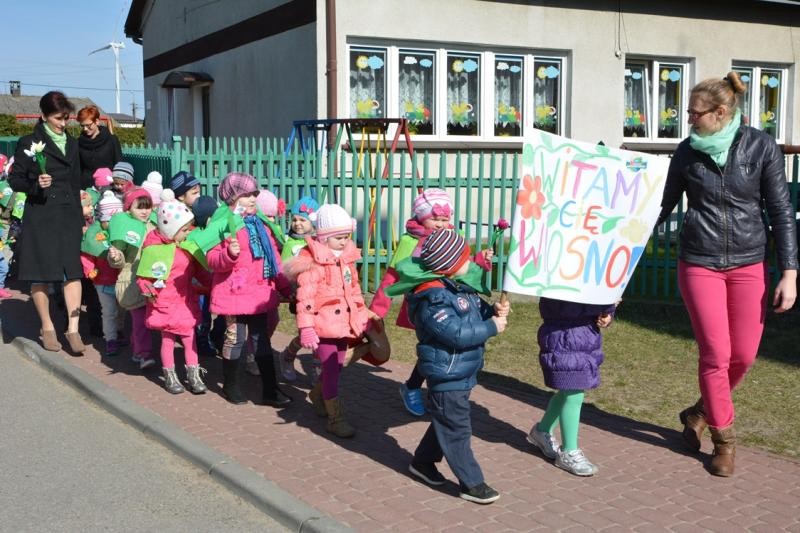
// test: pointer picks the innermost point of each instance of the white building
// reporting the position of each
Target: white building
(466, 73)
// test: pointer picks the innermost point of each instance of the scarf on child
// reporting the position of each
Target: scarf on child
(260, 245)
(717, 144)
(419, 231)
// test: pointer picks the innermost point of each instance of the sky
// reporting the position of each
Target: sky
(56, 57)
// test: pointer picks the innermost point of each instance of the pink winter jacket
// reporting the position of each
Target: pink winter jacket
(238, 286)
(329, 296)
(106, 274)
(176, 309)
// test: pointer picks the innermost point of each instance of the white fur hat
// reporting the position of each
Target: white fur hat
(332, 219)
(153, 186)
(172, 214)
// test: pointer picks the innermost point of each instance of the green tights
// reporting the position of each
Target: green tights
(564, 408)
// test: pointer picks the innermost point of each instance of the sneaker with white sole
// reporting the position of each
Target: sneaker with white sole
(427, 472)
(545, 441)
(146, 362)
(576, 463)
(412, 399)
(481, 493)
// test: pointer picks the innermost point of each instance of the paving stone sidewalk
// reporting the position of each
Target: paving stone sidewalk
(646, 481)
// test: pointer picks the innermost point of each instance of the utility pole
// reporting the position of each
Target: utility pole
(134, 107)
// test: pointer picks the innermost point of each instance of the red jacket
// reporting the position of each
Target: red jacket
(329, 295)
(176, 308)
(106, 274)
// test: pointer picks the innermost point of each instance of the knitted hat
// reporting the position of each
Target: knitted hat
(432, 203)
(131, 196)
(153, 186)
(3, 162)
(108, 206)
(444, 252)
(123, 170)
(331, 220)
(270, 205)
(235, 185)
(86, 199)
(172, 214)
(182, 182)
(94, 194)
(102, 177)
(203, 208)
(304, 207)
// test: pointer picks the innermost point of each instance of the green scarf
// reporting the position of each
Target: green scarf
(717, 144)
(60, 139)
(413, 273)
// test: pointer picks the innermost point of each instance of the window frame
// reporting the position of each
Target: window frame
(486, 88)
(653, 67)
(755, 94)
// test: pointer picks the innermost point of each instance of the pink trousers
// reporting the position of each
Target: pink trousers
(168, 349)
(727, 309)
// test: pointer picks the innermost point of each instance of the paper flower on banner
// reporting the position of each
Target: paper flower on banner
(636, 231)
(530, 197)
(361, 62)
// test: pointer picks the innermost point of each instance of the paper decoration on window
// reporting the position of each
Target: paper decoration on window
(426, 63)
(515, 69)
(745, 78)
(410, 60)
(773, 82)
(470, 65)
(636, 75)
(361, 62)
(502, 65)
(375, 62)
(674, 75)
(458, 66)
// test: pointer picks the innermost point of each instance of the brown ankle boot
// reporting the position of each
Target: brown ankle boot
(315, 395)
(724, 451)
(336, 422)
(694, 423)
(76, 345)
(49, 340)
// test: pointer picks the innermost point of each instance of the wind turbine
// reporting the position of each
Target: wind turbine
(115, 47)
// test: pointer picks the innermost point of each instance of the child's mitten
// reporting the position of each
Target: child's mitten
(309, 338)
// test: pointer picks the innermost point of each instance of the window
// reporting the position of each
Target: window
(508, 78)
(763, 103)
(463, 93)
(448, 94)
(655, 100)
(547, 94)
(417, 90)
(367, 83)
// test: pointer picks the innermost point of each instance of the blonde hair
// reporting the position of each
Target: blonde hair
(721, 92)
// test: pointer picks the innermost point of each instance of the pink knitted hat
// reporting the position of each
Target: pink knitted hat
(270, 205)
(108, 206)
(102, 177)
(432, 203)
(131, 196)
(235, 185)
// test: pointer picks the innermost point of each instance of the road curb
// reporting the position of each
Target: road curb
(246, 483)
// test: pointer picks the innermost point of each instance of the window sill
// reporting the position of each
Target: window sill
(650, 146)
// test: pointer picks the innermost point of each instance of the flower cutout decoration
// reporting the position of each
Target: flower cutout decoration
(37, 153)
(636, 231)
(530, 197)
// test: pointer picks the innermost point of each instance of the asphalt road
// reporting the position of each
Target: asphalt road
(66, 465)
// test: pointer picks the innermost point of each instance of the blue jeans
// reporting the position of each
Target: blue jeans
(449, 436)
(3, 271)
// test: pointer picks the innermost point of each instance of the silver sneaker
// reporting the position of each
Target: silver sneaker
(195, 379)
(576, 463)
(544, 441)
(287, 367)
(171, 382)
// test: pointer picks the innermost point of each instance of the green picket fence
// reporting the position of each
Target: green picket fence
(482, 184)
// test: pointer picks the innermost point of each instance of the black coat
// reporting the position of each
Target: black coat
(101, 152)
(50, 246)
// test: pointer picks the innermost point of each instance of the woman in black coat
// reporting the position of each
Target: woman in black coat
(98, 148)
(49, 249)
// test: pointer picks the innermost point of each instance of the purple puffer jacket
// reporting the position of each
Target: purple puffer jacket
(570, 344)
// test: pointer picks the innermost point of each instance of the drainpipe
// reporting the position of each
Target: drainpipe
(330, 70)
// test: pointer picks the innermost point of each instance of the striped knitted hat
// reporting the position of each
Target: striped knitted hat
(182, 182)
(235, 185)
(444, 252)
(432, 203)
(123, 171)
(108, 206)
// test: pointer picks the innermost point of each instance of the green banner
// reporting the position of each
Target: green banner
(124, 228)
(95, 241)
(156, 261)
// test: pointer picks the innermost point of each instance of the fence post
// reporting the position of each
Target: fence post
(176, 154)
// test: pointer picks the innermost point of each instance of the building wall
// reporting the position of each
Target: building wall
(258, 89)
(589, 38)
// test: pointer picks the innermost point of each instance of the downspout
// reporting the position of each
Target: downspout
(330, 70)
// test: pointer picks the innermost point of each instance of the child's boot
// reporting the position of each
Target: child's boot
(112, 348)
(272, 395)
(171, 382)
(204, 346)
(336, 422)
(231, 373)
(196, 385)
(315, 395)
(724, 451)
(694, 423)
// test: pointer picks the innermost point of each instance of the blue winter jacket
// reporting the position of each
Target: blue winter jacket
(452, 325)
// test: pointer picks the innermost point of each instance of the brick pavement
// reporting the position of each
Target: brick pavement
(646, 482)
